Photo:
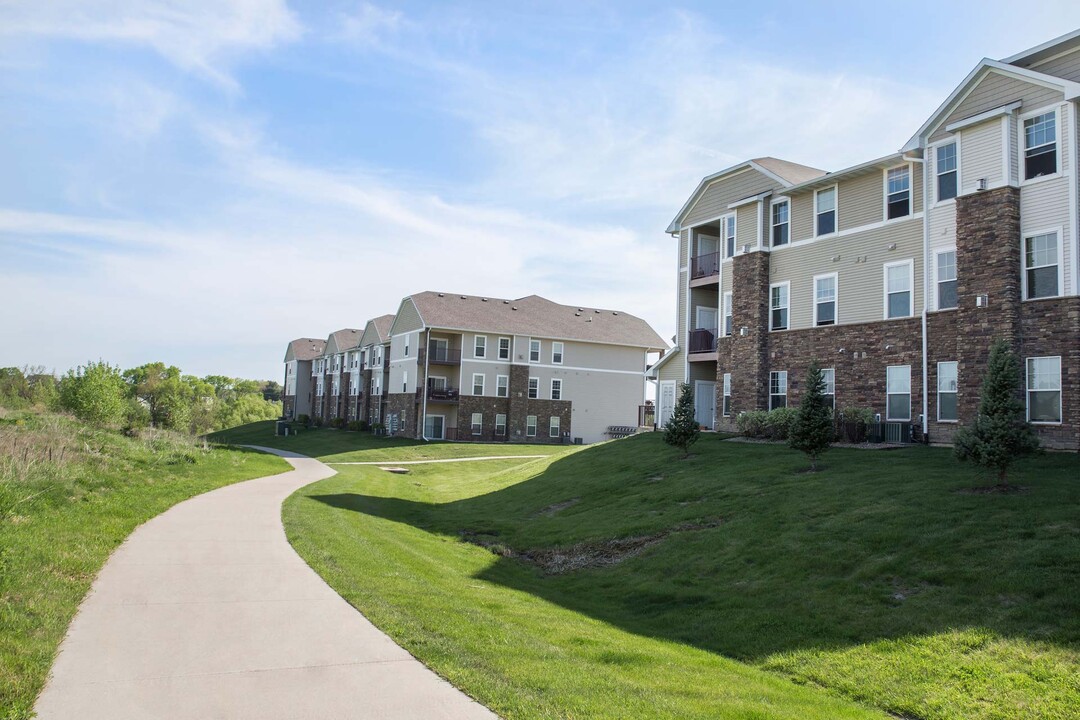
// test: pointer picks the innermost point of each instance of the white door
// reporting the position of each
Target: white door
(667, 401)
(707, 244)
(433, 427)
(706, 319)
(705, 403)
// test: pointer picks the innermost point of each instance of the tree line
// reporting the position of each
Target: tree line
(151, 395)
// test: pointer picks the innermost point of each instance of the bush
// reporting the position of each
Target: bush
(377, 428)
(304, 419)
(316, 421)
(778, 422)
(355, 425)
(851, 424)
(338, 423)
(752, 423)
(95, 393)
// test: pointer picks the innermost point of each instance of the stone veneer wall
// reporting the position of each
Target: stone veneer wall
(403, 404)
(744, 356)
(288, 405)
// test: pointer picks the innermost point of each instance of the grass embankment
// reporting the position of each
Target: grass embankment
(69, 495)
(877, 585)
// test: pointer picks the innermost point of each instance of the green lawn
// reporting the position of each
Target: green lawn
(69, 495)
(875, 586)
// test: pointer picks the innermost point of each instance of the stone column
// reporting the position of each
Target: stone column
(748, 360)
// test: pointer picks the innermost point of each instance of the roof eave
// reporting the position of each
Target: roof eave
(676, 224)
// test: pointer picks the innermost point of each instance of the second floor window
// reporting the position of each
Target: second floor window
(478, 384)
(556, 389)
(504, 348)
(778, 316)
(727, 225)
(502, 386)
(947, 183)
(534, 351)
(781, 224)
(946, 280)
(480, 346)
(825, 300)
(1040, 145)
(898, 290)
(1041, 266)
(898, 193)
(534, 388)
(556, 353)
(727, 314)
(825, 211)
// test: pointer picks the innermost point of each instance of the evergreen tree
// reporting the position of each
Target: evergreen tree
(812, 431)
(1000, 433)
(682, 430)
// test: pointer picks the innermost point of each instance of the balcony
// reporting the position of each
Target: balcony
(442, 394)
(443, 356)
(704, 266)
(702, 341)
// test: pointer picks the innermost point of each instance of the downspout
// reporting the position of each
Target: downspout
(423, 390)
(925, 301)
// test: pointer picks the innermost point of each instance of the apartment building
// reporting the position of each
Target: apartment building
(296, 397)
(375, 366)
(332, 375)
(897, 274)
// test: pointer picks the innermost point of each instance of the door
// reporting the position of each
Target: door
(706, 319)
(667, 402)
(433, 427)
(705, 403)
(439, 349)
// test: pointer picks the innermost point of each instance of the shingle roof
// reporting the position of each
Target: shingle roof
(535, 316)
(306, 348)
(794, 173)
(345, 339)
(382, 325)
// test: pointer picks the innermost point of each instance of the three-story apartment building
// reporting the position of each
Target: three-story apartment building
(896, 275)
(297, 393)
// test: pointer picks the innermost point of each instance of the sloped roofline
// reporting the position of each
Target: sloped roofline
(1070, 89)
(653, 370)
(830, 178)
(676, 224)
(406, 299)
(1041, 48)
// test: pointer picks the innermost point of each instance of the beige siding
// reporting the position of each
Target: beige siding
(746, 226)
(1014, 154)
(802, 216)
(1045, 205)
(994, 91)
(725, 279)
(860, 271)
(715, 199)
(981, 156)
(684, 239)
(681, 330)
(1066, 66)
(860, 200)
(407, 318)
(672, 370)
(599, 401)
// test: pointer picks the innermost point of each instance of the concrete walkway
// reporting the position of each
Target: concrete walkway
(206, 612)
(444, 460)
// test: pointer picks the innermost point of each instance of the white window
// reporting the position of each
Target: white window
(898, 392)
(530, 426)
(946, 170)
(825, 299)
(500, 425)
(478, 384)
(1040, 145)
(947, 376)
(825, 211)
(778, 306)
(726, 408)
(480, 346)
(556, 389)
(406, 346)
(556, 353)
(477, 423)
(553, 426)
(374, 386)
(727, 314)
(504, 348)
(727, 227)
(436, 382)
(898, 280)
(534, 351)
(781, 223)
(897, 192)
(1044, 389)
(534, 388)
(405, 381)
(777, 389)
(1041, 266)
(502, 386)
(829, 376)
(946, 280)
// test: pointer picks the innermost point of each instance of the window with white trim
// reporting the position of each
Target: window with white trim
(825, 299)
(1040, 145)
(727, 227)
(898, 284)
(778, 306)
(477, 423)
(898, 392)
(828, 375)
(406, 346)
(534, 351)
(946, 280)
(947, 383)
(504, 348)
(777, 389)
(478, 383)
(945, 168)
(725, 408)
(500, 425)
(502, 386)
(556, 353)
(553, 426)
(405, 381)
(556, 389)
(1044, 389)
(727, 314)
(1041, 264)
(530, 426)
(534, 388)
(825, 211)
(897, 192)
(480, 346)
(781, 223)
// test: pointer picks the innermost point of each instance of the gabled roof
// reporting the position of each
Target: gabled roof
(305, 349)
(377, 330)
(986, 66)
(1046, 50)
(782, 171)
(342, 340)
(853, 171)
(534, 316)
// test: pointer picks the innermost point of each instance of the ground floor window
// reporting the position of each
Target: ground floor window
(829, 394)
(726, 408)
(477, 423)
(500, 425)
(777, 389)
(553, 427)
(947, 376)
(530, 426)
(898, 392)
(1044, 389)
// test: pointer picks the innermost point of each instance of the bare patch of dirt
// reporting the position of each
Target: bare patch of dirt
(654, 478)
(994, 490)
(556, 508)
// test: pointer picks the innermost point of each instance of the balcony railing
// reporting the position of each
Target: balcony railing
(705, 265)
(443, 356)
(702, 341)
(443, 394)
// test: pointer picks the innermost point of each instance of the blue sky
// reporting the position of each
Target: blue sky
(199, 182)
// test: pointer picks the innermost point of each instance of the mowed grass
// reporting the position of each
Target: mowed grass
(69, 495)
(875, 587)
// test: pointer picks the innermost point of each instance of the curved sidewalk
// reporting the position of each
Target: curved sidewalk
(206, 612)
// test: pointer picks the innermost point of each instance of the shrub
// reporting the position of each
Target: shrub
(751, 423)
(683, 430)
(337, 423)
(94, 393)
(851, 424)
(354, 425)
(377, 428)
(316, 421)
(778, 422)
(304, 419)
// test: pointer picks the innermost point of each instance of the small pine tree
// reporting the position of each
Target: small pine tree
(682, 430)
(812, 431)
(1000, 433)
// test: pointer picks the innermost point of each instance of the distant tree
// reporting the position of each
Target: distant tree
(204, 405)
(272, 391)
(14, 389)
(683, 430)
(246, 409)
(94, 392)
(43, 387)
(1000, 433)
(163, 392)
(812, 432)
